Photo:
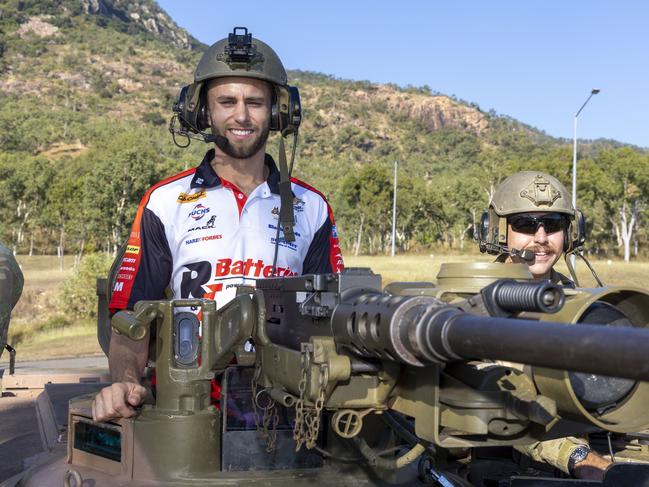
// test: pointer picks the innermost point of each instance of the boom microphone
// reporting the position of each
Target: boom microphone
(526, 255)
(221, 142)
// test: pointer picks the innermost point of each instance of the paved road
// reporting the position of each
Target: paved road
(20, 438)
(97, 363)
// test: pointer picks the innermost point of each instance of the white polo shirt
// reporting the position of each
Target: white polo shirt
(202, 237)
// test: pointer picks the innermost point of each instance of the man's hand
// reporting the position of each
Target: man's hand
(592, 468)
(117, 401)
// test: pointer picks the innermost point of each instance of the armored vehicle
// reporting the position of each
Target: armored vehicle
(335, 380)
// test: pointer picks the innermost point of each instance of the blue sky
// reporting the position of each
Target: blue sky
(535, 61)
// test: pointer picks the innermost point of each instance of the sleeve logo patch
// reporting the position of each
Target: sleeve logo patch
(190, 198)
(132, 249)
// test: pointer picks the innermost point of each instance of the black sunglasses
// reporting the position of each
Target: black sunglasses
(529, 224)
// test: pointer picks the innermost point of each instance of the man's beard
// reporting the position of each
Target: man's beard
(241, 152)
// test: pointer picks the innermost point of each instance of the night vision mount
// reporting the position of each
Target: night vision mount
(240, 49)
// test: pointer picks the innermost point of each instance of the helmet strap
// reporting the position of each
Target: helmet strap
(286, 216)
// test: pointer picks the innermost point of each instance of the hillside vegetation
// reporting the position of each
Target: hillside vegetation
(86, 88)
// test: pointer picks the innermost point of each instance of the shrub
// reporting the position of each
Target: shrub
(78, 295)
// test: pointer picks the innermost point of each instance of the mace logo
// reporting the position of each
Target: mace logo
(199, 212)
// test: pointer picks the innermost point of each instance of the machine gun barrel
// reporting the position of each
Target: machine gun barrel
(595, 349)
(420, 330)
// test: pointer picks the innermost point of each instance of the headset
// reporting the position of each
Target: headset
(492, 233)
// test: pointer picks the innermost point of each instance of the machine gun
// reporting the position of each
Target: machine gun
(438, 367)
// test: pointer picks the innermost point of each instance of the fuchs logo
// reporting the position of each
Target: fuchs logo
(199, 212)
(249, 267)
(190, 198)
(209, 224)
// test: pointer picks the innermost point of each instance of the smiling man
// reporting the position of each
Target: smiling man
(206, 231)
(531, 220)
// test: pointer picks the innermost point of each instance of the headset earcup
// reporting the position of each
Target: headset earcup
(201, 113)
(482, 232)
(294, 109)
(274, 111)
(579, 231)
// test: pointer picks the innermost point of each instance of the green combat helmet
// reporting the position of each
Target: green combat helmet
(11, 287)
(239, 55)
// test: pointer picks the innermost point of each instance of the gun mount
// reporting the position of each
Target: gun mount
(337, 361)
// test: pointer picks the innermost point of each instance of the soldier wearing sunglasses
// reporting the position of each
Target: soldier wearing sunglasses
(531, 220)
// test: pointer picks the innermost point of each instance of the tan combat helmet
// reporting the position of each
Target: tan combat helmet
(527, 192)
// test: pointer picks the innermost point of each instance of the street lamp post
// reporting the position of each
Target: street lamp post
(394, 208)
(594, 91)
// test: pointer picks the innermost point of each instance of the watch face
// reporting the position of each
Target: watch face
(579, 454)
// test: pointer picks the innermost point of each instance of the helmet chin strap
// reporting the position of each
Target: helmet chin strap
(286, 216)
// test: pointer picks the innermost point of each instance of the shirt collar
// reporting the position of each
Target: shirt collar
(206, 177)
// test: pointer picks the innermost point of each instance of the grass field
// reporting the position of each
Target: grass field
(43, 330)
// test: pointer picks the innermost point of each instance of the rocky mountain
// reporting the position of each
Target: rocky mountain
(86, 88)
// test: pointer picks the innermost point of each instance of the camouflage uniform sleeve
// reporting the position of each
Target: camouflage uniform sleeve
(11, 287)
(555, 452)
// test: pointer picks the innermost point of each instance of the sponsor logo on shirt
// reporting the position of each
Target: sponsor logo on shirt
(203, 239)
(284, 243)
(198, 212)
(249, 267)
(274, 227)
(334, 232)
(209, 224)
(129, 260)
(298, 204)
(132, 249)
(190, 198)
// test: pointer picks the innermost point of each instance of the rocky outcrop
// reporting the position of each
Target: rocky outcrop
(434, 112)
(37, 26)
(147, 15)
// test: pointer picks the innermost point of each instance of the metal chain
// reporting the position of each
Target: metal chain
(271, 419)
(253, 387)
(268, 425)
(298, 427)
(316, 412)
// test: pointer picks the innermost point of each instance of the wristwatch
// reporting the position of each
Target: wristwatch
(577, 456)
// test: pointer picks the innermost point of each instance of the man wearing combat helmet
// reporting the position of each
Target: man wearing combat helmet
(531, 220)
(228, 222)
